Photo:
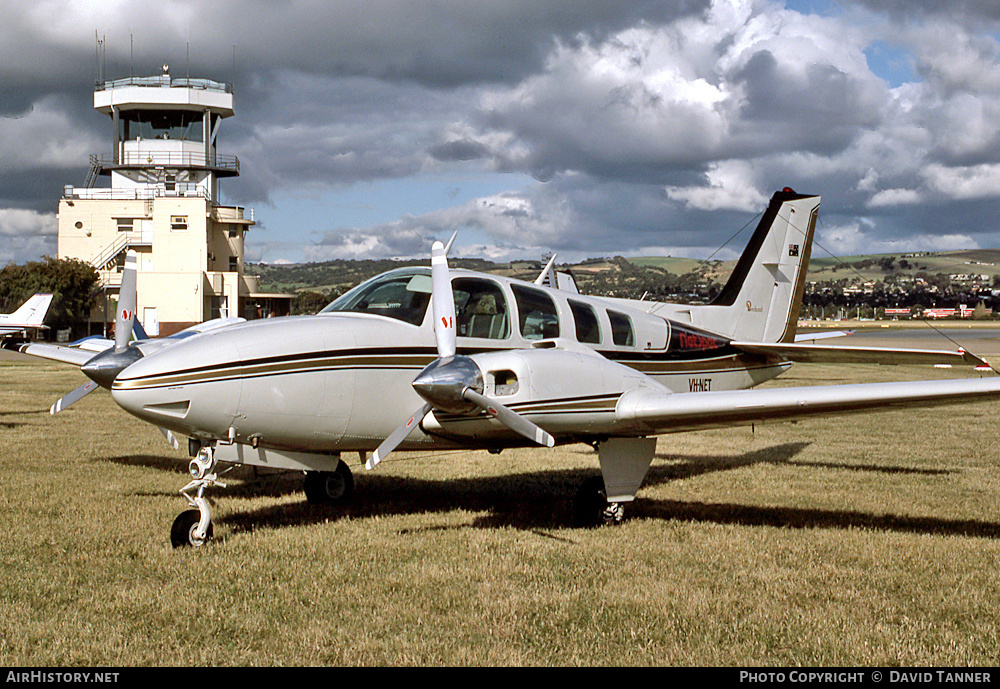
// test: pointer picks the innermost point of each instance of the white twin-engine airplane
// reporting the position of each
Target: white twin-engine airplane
(28, 316)
(419, 359)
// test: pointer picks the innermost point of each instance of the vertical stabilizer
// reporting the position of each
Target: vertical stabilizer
(761, 300)
(33, 311)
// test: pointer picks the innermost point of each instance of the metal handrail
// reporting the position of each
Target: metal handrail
(165, 80)
(178, 159)
(110, 251)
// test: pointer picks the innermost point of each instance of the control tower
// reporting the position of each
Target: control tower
(162, 200)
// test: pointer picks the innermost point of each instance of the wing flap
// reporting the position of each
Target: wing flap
(836, 354)
(651, 411)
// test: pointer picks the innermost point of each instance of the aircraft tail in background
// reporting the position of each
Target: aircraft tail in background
(28, 317)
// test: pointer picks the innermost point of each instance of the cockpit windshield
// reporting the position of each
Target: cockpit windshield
(403, 295)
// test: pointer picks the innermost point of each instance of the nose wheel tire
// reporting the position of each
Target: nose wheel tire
(329, 487)
(184, 531)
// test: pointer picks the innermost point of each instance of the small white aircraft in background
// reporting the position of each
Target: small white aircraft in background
(419, 359)
(27, 318)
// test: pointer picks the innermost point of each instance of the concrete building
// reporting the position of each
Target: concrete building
(163, 201)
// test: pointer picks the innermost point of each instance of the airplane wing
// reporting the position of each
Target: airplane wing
(835, 354)
(82, 351)
(655, 411)
(63, 353)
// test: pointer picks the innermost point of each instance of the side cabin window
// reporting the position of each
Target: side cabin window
(403, 296)
(585, 319)
(481, 309)
(621, 329)
(537, 315)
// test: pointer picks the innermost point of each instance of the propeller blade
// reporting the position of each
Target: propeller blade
(125, 318)
(443, 302)
(510, 419)
(396, 437)
(171, 438)
(75, 396)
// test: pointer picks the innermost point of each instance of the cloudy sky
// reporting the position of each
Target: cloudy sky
(585, 127)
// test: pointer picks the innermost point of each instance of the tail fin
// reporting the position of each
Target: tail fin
(33, 311)
(761, 300)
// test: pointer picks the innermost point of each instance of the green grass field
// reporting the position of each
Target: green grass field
(859, 540)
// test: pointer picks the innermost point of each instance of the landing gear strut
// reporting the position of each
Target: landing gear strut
(194, 527)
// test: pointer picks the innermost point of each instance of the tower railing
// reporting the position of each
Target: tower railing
(229, 164)
(183, 190)
(165, 80)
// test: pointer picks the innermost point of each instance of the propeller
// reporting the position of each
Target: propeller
(104, 367)
(452, 382)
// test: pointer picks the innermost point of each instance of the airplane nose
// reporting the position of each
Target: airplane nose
(185, 386)
(105, 367)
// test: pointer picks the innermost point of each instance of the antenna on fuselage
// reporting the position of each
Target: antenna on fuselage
(548, 274)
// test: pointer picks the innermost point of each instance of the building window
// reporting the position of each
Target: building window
(178, 223)
(125, 224)
(234, 264)
(234, 232)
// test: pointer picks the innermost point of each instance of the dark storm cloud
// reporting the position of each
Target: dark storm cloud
(646, 124)
(822, 110)
(971, 12)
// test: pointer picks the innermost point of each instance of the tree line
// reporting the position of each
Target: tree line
(71, 282)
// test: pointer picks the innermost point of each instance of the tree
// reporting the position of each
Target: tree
(308, 302)
(71, 282)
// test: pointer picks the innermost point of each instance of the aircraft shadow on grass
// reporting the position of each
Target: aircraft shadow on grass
(18, 424)
(543, 500)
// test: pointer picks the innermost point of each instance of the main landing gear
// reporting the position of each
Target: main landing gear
(624, 463)
(591, 506)
(194, 527)
(329, 487)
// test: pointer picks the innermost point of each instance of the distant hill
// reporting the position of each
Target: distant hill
(655, 277)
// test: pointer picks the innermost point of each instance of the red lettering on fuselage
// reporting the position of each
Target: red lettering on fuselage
(693, 341)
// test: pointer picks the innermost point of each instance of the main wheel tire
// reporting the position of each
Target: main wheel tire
(182, 533)
(329, 487)
(591, 506)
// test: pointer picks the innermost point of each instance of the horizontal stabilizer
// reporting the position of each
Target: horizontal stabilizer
(824, 335)
(835, 354)
(650, 411)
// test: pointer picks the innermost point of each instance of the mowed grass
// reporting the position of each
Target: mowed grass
(857, 540)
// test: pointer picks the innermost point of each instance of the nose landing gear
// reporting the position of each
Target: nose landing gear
(194, 527)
